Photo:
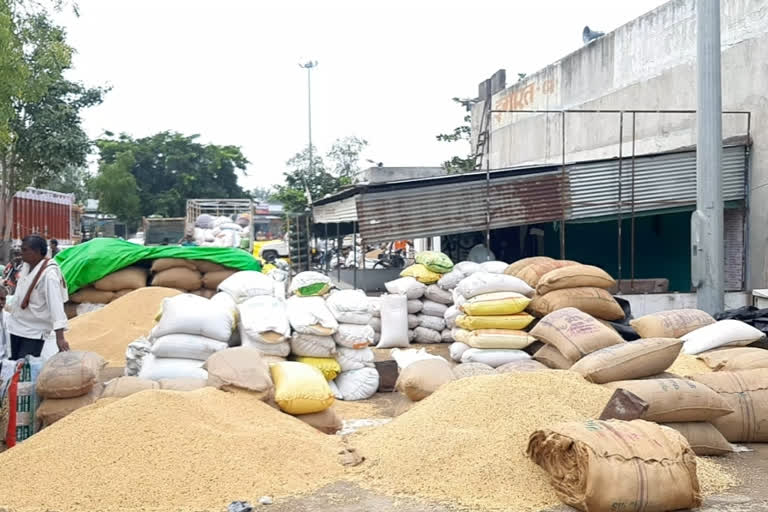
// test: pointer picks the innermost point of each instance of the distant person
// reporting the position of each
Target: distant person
(38, 305)
(54, 247)
(166, 241)
(11, 271)
(3, 332)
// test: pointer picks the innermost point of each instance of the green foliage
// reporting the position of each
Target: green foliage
(345, 157)
(459, 164)
(170, 168)
(262, 194)
(115, 187)
(72, 180)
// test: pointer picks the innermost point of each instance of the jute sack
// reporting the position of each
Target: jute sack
(533, 272)
(574, 333)
(746, 392)
(180, 278)
(574, 276)
(465, 370)
(703, 437)
(420, 379)
(499, 338)
(208, 266)
(161, 264)
(54, 409)
(671, 324)
(594, 301)
(239, 367)
(552, 358)
(90, 295)
(212, 280)
(182, 384)
(527, 365)
(676, 400)
(327, 421)
(519, 265)
(126, 386)
(735, 359)
(69, 374)
(593, 467)
(121, 293)
(626, 361)
(130, 277)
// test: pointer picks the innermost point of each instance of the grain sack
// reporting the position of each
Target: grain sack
(310, 284)
(69, 374)
(746, 392)
(676, 400)
(354, 336)
(54, 409)
(446, 336)
(359, 384)
(208, 266)
(498, 303)
(450, 316)
(457, 349)
(431, 322)
(493, 357)
(483, 282)
(450, 280)
(464, 370)
(574, 333)
(414, 306)
(724, 332)
(460, 334)
(241, 286)
(183, 384)
(552, 358)
(310, 315)
(212, 280)
(513, 268)
(524, 365)
(574, 276)
(499, 338)
(186, 346)
(671, 324)
(180, 278)
(327, 421)
(190, 314)
(436, 294)
(394, 322)
(156, 368)
(374, 306)
(239, 367)
(427, 335)
(349, 307)
(433, 308)
(121, 293)
(594, 301)
(281, 349)
(407, 286)
(375, 323)
(421, 273)
(413, 321)
(126, 386)
(626, 361)
(422, 378)
(435, 261)
(161, 264)
(263, 319)
(300, 388)
(328, 366)
(311, 345)
(512, 322)
(90, 295)
(703, 437)
(493, 267)
(411, 336)
(458, 299)
(735, 359)
(129, 277)
(354, 359)
(592, 466)
(533, 272)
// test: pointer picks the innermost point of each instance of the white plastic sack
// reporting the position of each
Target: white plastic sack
(494, 267)
(467, 267)
(435, 323)
(447, 336)
(411, 336)
(493, 357)
(269, 349)
(376, 337)
(450, 316)
(483, 282)
(436, 294)
(135, 353)
(310, 315)
(186, 346)
(457, 349)
(246, 284)
(415, 306)
(353, 359)
(335, 390)
(432, 308)
(403, 358)
(86, 307)
(374, 306)
(349, 307)
(413, 321)
(407, 286)
(190, 314)
(450, 280)
(394, 322)
(354, 336)
(426, 335)
(264, 319)
(308, 278)
(358, 384)
(226, 300)
(724, 332)
(376, 324)
(311, 345)
(156, 368)
(458, 299)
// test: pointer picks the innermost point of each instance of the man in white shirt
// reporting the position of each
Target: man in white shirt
(38, 304)
(4, 342)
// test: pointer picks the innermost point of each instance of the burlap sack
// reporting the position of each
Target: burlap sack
(594, 301)
(626, 361)
(90, 295)
(420, 379)
(746, 392)
(212, 280)
(676, 400)
(122, 293)
(574, 276)
(54, 409)
(126, 386)
(703, 437)
(551, 357)
(208, 266)
(574, 333)
(182, 384)
(204, 293)
(129, 277)
(735, 359)
(671, 324)
(239, 367)
(593, 466)
(532, 272)
(161, 264)
(327, 421)
(527, 365)
(180, 278)
(663, 375)
(519, 265)
(69, 374)
(465, 370)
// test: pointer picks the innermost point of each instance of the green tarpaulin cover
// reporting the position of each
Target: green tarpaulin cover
(85, 263)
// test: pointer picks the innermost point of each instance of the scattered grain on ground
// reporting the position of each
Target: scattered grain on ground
(686, 365)
(713, 478)
(109, 330)
(358, 410)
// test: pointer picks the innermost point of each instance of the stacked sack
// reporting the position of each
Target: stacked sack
(428, 320)
(411, 291)
(220, 231)
(111, 287)
(449, 282)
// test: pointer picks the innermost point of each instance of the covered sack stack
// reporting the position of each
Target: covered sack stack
(111, 287)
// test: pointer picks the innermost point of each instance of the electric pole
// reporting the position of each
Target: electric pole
(309, 66)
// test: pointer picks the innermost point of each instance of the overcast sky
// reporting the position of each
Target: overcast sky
(228, 70)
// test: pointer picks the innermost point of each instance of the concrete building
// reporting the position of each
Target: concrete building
(647, 64)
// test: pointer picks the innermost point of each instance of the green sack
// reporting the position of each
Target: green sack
(435, 261)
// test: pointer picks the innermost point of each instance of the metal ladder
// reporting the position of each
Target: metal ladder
(483, 135)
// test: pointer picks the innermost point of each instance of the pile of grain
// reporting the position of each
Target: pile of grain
(109, 330)
(686, 365)
(166, 450)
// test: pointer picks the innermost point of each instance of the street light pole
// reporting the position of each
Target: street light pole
(309, 66)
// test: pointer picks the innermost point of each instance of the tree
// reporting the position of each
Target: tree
(345, 156)
(262, 194)
(170, 168)
(115, 187)
(72, 180)
(459, 164)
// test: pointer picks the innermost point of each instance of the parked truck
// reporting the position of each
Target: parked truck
(45, 212)
(163, 230)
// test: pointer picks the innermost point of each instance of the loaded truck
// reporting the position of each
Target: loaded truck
(48, 213)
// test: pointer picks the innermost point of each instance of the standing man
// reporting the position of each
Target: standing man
(11, 271)
(54, 247)
(38, 305)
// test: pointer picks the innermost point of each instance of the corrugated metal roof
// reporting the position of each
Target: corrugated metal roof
(344, 210)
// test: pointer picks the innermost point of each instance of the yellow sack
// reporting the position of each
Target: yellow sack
(300, 388)
(510, 322)
(459, 334)
(499, 338)
(421, 274)
(493, 304)
(328, 366)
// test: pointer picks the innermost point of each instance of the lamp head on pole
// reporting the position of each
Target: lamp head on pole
(309, 64)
